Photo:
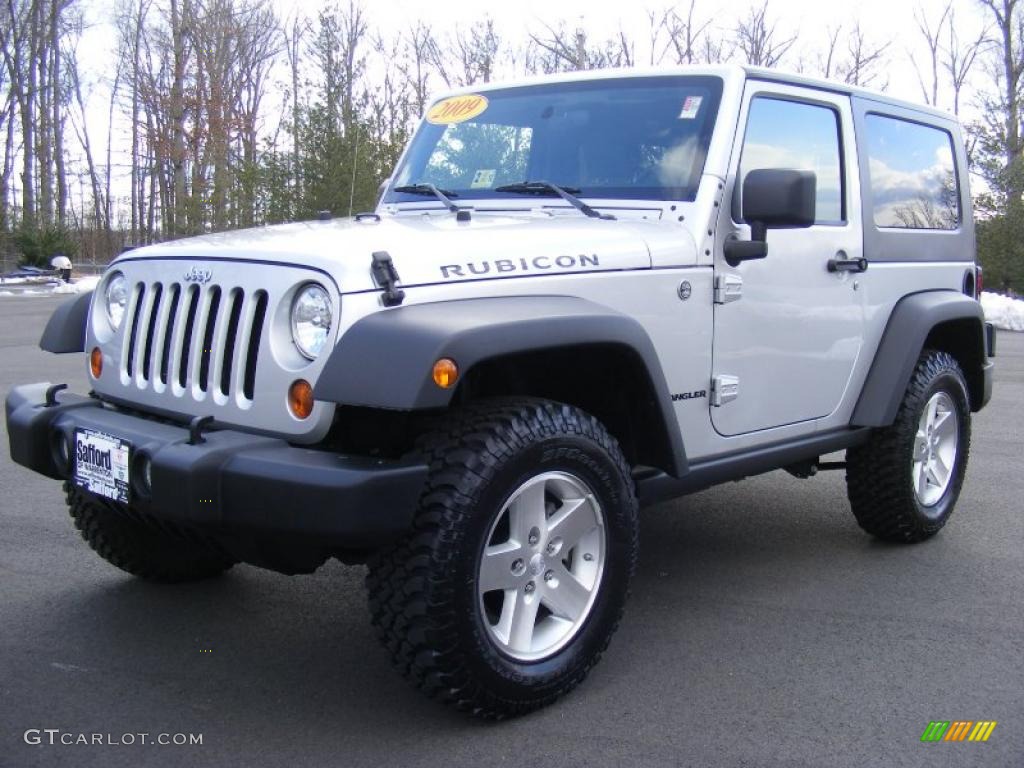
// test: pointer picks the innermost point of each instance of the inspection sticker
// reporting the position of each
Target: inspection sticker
(482, 179)
(101, 464)
(691, 106)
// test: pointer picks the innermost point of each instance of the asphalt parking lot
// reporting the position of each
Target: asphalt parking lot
(764, 629)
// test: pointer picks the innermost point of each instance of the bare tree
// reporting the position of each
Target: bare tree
(414, 63)
(864, 60)
(828, 60)
(293, 31)
(1004, 115)
(757, 38)
(685, 36)
(932, 33)
(556, 49)
(959, 57)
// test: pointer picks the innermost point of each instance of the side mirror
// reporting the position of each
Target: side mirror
(773, 198)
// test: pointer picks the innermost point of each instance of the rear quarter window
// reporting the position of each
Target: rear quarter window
(913, 175)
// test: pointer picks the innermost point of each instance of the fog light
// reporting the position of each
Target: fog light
(62, 451)
(96, 362)
(300, 399)
(446, 373)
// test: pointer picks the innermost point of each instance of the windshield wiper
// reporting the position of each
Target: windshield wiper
(546, 187)
(429, 189)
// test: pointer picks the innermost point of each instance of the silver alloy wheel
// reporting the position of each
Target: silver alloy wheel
(935, 449)
(541, 567)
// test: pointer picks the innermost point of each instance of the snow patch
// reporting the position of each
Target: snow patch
(34, 286)
(1004, 312)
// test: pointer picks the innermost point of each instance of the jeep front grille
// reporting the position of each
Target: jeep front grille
(211, 338)
(201, 341)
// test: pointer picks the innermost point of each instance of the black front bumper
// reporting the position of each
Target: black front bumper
(263, 500)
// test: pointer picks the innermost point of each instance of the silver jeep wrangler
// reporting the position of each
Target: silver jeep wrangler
(577, 296)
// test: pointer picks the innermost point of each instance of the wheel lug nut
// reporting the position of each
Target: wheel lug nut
(549, 576)
(529, 587)
(517, 565)
(534, 536)
(588, 557)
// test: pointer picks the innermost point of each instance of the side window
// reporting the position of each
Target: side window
(913, 177)
(804, 137)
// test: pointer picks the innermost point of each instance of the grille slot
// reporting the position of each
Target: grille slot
(227, 358)
(150, 326)
(138, 296)
(167, 328)
(253, 347)
(186, 339)
(207, 351)
(197, 339)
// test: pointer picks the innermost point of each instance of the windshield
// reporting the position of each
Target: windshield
(631, 138)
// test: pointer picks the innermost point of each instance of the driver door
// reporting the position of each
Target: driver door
(787, 332)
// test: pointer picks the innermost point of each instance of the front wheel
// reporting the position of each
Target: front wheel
(905, 481)
(516, 575)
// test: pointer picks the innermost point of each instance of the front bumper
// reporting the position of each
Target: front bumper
(263, 500)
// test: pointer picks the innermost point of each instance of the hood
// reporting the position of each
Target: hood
(436, 248)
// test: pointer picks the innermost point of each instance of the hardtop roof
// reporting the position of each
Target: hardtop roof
(725, 71)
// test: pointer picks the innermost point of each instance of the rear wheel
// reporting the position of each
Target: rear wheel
(905, 481)
(515, 577)
(140, 548)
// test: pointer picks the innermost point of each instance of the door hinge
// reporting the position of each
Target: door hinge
(724, 389)
(728, 288)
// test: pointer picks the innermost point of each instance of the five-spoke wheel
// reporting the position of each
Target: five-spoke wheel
(935, 448)
(542, 566)
(512, 582)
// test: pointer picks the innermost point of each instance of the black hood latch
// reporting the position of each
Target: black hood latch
(386, 276)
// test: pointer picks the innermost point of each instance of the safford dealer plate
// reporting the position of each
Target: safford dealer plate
(101, 464)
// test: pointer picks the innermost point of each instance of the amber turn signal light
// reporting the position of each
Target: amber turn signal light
(96, 362)
(300, 399)
(446, 373)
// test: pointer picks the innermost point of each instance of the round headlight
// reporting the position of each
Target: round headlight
(311, 319)
(116, 297)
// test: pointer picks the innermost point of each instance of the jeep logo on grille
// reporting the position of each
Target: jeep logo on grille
(196, 275)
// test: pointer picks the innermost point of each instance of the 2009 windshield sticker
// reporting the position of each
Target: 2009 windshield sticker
(457, 109)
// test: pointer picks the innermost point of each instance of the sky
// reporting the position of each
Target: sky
(881, 20)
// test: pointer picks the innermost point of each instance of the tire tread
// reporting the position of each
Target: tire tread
(411, 602)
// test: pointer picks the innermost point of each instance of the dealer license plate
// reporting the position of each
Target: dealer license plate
(101, 464)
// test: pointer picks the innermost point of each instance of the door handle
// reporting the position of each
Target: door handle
(847, 265)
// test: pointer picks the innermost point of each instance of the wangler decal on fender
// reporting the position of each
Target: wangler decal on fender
(522, 264)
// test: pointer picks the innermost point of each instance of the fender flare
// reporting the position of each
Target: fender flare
(385, 359)
(65, 330)
(912, 319)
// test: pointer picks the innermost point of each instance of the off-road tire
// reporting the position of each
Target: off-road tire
(140, 548)
(422, 591)
(879, 473)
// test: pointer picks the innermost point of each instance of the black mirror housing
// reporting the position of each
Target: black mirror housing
(773, 198)
(779, 198)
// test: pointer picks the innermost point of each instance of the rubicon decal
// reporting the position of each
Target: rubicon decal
(958, 730)
(520, 265)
